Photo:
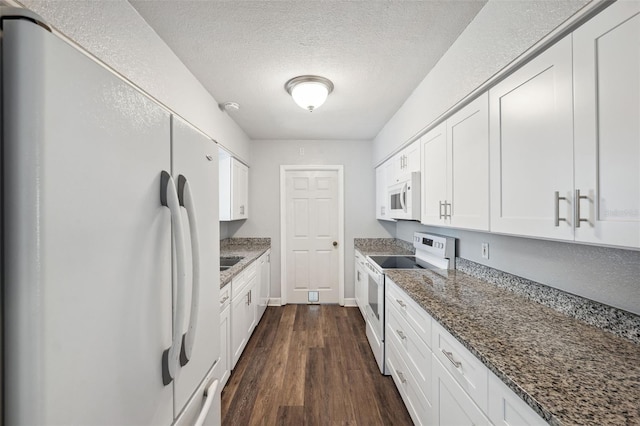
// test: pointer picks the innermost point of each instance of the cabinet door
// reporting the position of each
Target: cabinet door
(252, 306)
(240, 190)
(239, 326)
(225, 335)
(468, 165)
(508, 409)
(412, 157)
(531, 147)
(607, 129)
(452, 406)
(434, 175)
(382, 185)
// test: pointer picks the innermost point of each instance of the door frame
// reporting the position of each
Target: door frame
(283, 225)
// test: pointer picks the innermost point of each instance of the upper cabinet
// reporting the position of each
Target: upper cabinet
(606, 67)
(531, 145)
(404, 163)
(455, 177)
(234, 188)
(382, 207)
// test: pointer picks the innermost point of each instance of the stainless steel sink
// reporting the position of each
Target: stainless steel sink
(228, 262)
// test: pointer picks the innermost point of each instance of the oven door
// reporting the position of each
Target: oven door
(375, 314)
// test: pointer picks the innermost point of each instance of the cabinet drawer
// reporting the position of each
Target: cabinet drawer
(225, 297)
(409, 310)
(466, 369)
(239, 284)
(414, 351)
(506, 408)
(417, 404)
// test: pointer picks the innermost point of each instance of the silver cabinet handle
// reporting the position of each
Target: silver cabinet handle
(447, 215)
(401, 376)
(449, 355)
(169, 198)
(224, 299)
(578, 198)
(186, 200)
(401, 303)
(557, 218)
(440, 215)
(401, 334)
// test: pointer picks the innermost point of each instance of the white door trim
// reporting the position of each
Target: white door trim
(283, 223)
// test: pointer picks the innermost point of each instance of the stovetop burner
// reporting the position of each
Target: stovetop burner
(396, 262)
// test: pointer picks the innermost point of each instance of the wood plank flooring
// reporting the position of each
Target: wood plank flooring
(311, 365)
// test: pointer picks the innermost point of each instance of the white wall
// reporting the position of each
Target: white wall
(264, 194)
(607, 275)
(500, 32)
(114, 32)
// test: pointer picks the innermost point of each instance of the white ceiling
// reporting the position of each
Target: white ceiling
(375, 52)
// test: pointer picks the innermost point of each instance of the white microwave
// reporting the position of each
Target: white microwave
(404, 198)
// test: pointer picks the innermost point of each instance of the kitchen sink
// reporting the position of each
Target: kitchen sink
(228, 262)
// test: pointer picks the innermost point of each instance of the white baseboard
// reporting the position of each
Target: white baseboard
(275, 301)
(350, 302)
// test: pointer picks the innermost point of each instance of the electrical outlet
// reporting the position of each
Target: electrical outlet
(485, 250)
(301, 152)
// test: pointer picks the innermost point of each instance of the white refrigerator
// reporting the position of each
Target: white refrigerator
(110, 246)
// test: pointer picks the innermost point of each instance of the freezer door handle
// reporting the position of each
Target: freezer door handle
(209, 395)
(186, 200)
(169, 198)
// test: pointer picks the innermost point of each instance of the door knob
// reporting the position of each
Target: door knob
(335, 244)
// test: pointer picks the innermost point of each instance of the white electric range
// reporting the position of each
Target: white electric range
(434, 252)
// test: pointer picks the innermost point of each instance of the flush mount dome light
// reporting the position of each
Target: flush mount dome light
(309, 91)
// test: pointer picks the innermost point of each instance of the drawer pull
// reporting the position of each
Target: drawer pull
(401, 303)
(401, 376)
(401, 334)
(224, 299)
(449, 355)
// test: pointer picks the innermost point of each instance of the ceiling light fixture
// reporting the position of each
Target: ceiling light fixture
(309, 91)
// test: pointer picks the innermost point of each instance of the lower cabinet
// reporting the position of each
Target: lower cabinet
(243, 310)
(360, 282)
(225, 334)
(440, 381)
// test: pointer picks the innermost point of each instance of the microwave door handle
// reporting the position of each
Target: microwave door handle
(403, 197)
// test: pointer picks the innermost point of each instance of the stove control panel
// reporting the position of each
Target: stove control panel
(435, 247)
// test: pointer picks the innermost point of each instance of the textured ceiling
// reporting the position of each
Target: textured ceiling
(375, 52)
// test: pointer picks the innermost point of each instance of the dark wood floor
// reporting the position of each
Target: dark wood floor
(310, 364)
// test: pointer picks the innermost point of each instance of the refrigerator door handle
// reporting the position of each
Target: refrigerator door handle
(186, 200)
(169, 198)
(209, 395)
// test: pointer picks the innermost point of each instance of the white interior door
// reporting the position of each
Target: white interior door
(312, 231)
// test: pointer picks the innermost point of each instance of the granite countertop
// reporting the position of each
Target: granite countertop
(569, 372)
(248, 248)
(383, 246)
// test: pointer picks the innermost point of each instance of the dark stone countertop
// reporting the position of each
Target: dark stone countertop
(569, 372)
(248, 248)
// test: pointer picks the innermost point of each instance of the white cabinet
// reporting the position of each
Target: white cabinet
(234, 188)
(360, 282)
(508, 409)
(244, 300)
(225, 335)
(606, 71)
(382, 191)
(263, 285)
(404, 163)
(455, 177)
(452, 405)
(531, 147)
(434, 175)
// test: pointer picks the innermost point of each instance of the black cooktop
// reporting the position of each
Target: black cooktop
(396, 262)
